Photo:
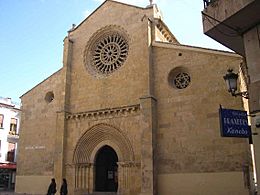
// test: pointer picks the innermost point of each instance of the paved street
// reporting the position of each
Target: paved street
(10, 193)
(7, 193)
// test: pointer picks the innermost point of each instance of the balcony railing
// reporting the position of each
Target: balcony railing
(13, 136)
(13, 133)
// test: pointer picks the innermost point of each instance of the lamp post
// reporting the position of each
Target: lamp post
(231, 81)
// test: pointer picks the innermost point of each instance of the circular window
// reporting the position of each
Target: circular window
(182, 80)
(179, 78)
(106, 52)
(49, 97)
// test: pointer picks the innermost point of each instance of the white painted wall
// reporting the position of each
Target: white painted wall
(9, 110)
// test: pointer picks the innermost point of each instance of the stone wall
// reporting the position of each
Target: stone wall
(154, 127)
(189, 144)
(36, 151)
(89, 93)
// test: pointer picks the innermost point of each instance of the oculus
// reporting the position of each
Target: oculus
(179, 78)
(106, 52)
(49, 97)
(182, 80)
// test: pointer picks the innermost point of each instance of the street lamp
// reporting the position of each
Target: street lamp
(231, 81)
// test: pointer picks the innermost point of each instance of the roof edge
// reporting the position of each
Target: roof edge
(194, 48)
(160, 21)
(143, 8)
(40, 83)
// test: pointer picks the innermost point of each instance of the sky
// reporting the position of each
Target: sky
(32, 33)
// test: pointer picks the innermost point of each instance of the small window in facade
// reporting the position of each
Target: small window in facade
(179, 78)
(49, 97)
(182, 80)
(11, 152)
(13, 126)
(1, 120)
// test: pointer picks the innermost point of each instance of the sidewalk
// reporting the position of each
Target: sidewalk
(12, 193)
(9, 193)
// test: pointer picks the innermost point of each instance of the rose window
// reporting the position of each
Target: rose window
(107, 53)
(182, 80)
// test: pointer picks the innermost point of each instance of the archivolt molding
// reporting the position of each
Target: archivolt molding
(108, 143)
(99, 136)
(105, 113)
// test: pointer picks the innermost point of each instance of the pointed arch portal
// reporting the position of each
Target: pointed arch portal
(104, 161)
(98, 136)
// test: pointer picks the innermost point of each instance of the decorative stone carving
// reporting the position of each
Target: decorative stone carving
(106, 51)
(179, 77)
(182, 80)
(105, 113)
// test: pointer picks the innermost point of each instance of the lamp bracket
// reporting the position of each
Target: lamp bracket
(243, 94)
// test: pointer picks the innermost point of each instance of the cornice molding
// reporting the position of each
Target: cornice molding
(105, 113)
(162, 27)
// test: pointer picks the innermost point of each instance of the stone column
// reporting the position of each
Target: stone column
(84, 177)
(149, 126)
(59, 147)
(91, 177)
(61, 114)
(127, 167)
(81, 176)
(120, 178)
(127, 171)
(86, 185)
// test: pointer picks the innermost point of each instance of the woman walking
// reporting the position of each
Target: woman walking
(63, 188)
(52, 187)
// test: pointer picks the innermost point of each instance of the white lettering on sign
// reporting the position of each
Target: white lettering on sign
(34, 147)
(235, 113)
(236, 131)
(234, 121)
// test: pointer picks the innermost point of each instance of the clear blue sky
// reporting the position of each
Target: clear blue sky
(32, 33)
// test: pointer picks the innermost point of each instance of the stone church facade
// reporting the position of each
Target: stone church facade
(132, 111)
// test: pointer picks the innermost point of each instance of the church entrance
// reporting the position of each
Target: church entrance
(106, 177)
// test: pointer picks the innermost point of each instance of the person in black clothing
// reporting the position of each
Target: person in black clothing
(63, 188)
(52, 187)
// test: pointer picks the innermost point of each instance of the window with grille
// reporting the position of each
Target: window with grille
(182, 80)
(179, 77)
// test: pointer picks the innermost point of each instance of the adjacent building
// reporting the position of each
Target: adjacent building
(133, 112)
(236, 24)
(9, 135)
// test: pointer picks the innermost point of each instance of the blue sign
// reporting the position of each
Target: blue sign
(234, 123)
